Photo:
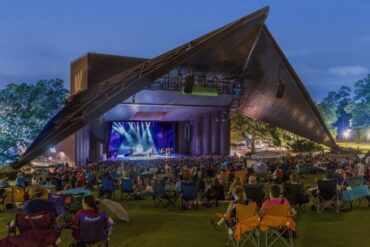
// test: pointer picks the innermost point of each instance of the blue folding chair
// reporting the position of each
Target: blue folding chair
(59, 202)
(91, 230)
(127, 186)
(189, 194)
(107, 188)
(158, 193)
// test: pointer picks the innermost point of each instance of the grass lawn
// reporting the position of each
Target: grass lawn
(174, 227)
(364, 147)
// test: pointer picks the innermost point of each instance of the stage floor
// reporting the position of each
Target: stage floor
(153, 157)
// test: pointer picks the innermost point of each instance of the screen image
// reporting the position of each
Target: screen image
(141, 138)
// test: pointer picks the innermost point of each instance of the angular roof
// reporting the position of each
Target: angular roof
(239, 48)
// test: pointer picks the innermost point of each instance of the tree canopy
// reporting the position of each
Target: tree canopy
(25, 109)
(344, 109)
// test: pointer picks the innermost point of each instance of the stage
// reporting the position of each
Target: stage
(147, 158)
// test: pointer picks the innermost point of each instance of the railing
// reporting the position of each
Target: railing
(176, 83)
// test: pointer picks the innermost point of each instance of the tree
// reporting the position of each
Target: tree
(328, 110)
(24, 110)
(361, 108)
(343, 109)
(246, 128)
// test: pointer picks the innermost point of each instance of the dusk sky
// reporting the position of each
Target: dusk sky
(327, 42)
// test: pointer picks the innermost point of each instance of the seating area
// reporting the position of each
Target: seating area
(184, 195)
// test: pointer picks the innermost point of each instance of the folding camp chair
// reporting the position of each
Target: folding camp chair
(354, 181)
(76, 203)
(246, 228)
(224, 178)
(295, 195)
(127, 186)
(40, 228)
(327, 197)
(255, 192)
(189, 193)
(170, 197)
(107, 188)
(59, 202)
(158, 193)
(2, 197)
(277, 224)
(241, 174)
(17, 195)
(91, 230)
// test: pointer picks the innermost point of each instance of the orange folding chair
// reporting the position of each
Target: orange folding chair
(240, 173)
(244, 231)
(17, 194)
(246, 228)
(224, 178)
(278, 224)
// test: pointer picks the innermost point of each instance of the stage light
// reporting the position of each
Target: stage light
(347, 133)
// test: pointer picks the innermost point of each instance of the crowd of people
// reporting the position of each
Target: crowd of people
(217, 179)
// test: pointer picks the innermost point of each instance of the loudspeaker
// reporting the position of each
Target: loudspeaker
(188, 84)
(280, 90)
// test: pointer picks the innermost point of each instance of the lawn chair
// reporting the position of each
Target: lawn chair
(189, 193)
(241, 174)
(170, 197)
(327, 197)
(255, 192)
(354, 181)
(158, 193)
(278, 224)
(247, 222)
(76, 203)
(2, 197)
(17, 196)
(295, 195)
(127, 186)
(91, 230)
(107, 188)
(59, 202)
(34, 229)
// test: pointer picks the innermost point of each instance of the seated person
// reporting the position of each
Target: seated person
(252, 180)
(275, 199)
(89, 207)
(27, 188)
(230, 216)
(4, 182)
(2, 195)
(215, 193)
(37, 203)
(19, 181)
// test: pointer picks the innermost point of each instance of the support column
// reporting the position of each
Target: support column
(206, 127)
(82, 144)
(225, 137)
(215, 135)
(197, 136)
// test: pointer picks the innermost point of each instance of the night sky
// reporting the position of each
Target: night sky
(327, 42)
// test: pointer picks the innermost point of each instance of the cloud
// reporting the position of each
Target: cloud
(355, 70)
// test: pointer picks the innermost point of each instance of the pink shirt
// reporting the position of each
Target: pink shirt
(274, 201)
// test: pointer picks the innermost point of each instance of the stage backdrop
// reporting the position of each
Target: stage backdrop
(139, 138)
